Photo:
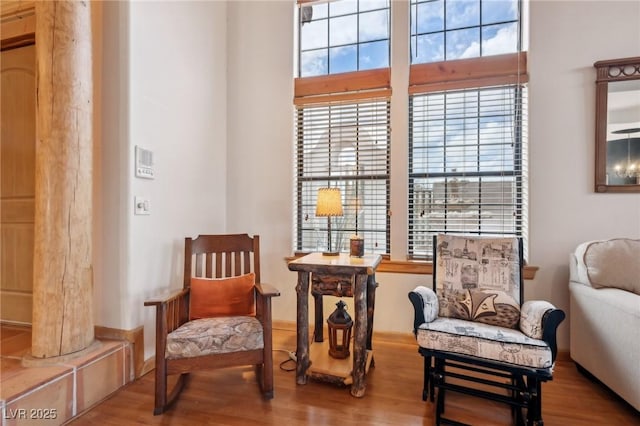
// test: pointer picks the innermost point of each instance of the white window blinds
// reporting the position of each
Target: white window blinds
(346, 145)
(467, 164)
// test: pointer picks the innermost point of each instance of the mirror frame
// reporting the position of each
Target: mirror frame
(608, 72)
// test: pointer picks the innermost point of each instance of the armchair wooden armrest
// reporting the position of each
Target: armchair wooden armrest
(264, 294)
(171, 312)
(267, 290)
(167, 297)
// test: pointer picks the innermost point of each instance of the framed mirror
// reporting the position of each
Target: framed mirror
(618, 125)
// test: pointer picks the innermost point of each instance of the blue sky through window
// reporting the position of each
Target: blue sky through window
(351, 35)
(344, 36)
(459, 29)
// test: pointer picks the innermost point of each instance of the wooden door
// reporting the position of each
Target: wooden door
(17, 184)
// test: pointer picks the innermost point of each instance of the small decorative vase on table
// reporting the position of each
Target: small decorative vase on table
(356, 246)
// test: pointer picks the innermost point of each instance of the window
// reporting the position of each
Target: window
(466, 164)
(467, 113)
(344, 145)
(343, 36)
(342, 100)
(444, 30)
(467, 121)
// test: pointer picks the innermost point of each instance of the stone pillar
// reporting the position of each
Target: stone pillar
(62, 270)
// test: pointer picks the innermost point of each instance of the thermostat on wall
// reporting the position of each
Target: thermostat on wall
(144, 163)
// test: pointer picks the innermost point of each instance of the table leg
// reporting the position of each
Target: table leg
(319, 320)
(371, 305)
(302, 325)
(360, 336)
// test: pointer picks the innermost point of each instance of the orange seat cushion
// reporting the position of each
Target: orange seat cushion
(218, 297)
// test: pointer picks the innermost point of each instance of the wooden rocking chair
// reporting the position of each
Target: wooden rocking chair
(221, 317)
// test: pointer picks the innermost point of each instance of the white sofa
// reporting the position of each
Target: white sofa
(605, 313)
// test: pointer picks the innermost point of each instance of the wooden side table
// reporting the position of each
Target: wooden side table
(341, 276)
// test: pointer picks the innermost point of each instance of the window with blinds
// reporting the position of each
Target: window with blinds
(467, 121)
(342, 123)
(343, 144)
(467, 164)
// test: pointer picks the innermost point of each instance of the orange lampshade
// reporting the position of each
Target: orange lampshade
(329, 202)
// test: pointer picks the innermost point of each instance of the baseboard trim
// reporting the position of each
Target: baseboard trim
(383, 336)
(283, 325)
(395, 337)
(135, 337)
(148, 365)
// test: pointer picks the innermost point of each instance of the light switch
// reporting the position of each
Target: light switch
(141, 205)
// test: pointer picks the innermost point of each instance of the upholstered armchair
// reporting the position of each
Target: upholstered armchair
(473, 321)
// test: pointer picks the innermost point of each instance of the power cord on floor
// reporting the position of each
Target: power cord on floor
(292, 358)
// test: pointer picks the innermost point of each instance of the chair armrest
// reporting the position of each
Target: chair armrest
(263, 304)
(425, 306)
(550, 323)
(540, 320)
(167, 297)
(171, 312)
(267, 290)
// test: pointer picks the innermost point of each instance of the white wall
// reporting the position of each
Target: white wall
(260, 135)
(165, 90)
(111, 248)
(566, 38)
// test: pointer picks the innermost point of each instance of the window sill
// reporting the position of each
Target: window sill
(417, 267)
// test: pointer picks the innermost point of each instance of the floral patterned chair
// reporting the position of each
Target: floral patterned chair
(473, 326)
(220, 318)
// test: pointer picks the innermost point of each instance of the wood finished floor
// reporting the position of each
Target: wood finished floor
(393, 397)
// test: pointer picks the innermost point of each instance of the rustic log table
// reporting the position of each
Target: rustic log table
(341, 276)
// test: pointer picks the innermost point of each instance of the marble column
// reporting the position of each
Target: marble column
(62, 272)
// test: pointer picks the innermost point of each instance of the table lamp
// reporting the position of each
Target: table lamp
(328, 204)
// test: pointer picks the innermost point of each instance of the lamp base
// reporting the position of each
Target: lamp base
(330, 253)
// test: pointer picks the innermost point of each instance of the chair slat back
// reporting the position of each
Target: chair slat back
(221, 256)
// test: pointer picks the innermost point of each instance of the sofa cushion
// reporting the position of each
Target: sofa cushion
(613, 263)
(484, 341)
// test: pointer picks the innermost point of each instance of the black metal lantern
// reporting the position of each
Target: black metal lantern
(340, 324)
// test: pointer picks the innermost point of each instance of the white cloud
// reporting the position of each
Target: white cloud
(503, 42)
(343, 30)
(463, 13)
(314, 63)
(374, 25)
(314, 35)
